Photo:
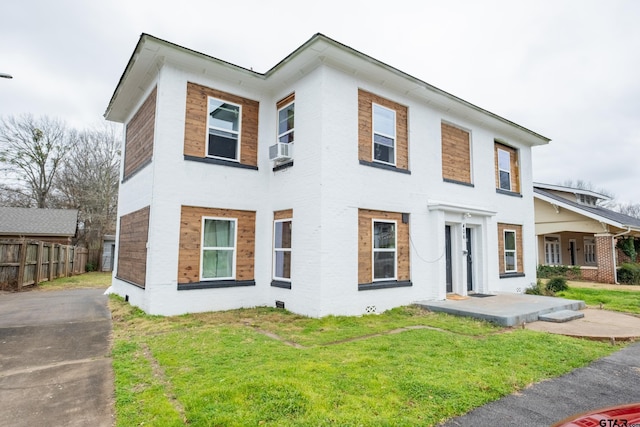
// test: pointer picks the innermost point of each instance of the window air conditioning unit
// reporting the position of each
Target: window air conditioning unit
(281, 151)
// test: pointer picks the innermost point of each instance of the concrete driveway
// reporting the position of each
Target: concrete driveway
(55, 368)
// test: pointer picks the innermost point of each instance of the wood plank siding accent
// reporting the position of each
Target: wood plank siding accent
(132, 247)
(285, 214)
(191, 240)
(286, 100)
(515, 170)
(365, 244)
(365, 128)
(138, 147)
(519, 256)
(196, 123)
(456, 154)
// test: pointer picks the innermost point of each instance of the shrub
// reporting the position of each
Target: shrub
(629, 274)
(89, 267)
(629, 246)
(557, 284)
(538, 289)
(570, 272)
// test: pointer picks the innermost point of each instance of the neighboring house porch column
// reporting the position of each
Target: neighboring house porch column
(605, 252)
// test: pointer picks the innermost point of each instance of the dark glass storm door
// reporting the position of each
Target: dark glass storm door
(447, 239)
(469, 262)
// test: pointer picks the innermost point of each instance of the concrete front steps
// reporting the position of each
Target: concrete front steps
(561, 316)
(504, 309)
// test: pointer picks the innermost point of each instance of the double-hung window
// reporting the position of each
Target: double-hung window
(384, 250)
(282, 250)
(552, 250)
(589, 250)
(384, 135)
(510, 256)
(224, 130)
(504, 169)
(218, 260)
(285, 123)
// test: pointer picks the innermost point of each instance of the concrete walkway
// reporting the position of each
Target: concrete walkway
(596, 324)
(55, 368)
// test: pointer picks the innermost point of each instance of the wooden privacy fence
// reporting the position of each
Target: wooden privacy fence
(27, 262)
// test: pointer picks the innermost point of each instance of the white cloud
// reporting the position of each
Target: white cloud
(567, 69)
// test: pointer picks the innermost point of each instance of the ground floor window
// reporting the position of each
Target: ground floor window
(218, 248)
(384, 250)
(510, 258)
(552, 250)
(282, 249)
(510, 250)
(589, 250)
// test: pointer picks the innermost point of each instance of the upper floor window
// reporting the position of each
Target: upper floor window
(384, 250)
(504, 169)
(218, 249)
(224, 130)
(587, 200)
(507, 175)
(286, 123)
(384, 134)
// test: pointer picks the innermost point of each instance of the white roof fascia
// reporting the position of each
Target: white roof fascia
(572, 190)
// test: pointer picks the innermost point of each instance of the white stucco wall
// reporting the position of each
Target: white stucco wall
(325, 188)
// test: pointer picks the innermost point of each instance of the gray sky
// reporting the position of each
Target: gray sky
(567, 69)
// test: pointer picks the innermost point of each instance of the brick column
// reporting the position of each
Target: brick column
(605, 257)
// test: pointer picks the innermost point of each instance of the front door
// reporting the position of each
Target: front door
(447, 239)
(572, 251)
(469, 262)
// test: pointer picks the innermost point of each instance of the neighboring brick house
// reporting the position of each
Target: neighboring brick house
(48, 225)
(331, 184)
(574, 228)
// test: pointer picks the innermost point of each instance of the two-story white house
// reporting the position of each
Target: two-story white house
(331, 184)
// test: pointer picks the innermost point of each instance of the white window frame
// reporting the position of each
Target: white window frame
(558, 251)
(280, 135)
(514, 250)
(238, 132)
(373, 135)
(275, 250)
(504, 170)
(590, 251)
(374, 250)
(212, 248)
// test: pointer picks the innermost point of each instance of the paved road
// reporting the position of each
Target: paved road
(55, 368)
(613, 380)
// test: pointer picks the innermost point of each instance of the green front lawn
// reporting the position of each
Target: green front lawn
(404, 367)
(624, 301)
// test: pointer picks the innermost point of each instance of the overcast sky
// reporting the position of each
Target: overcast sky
(567, 69)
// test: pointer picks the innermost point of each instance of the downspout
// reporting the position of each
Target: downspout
(613, 252)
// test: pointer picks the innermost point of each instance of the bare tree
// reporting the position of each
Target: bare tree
(631, 209)
(32, 150)
(88, 181)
